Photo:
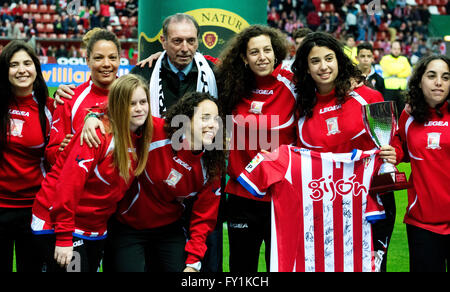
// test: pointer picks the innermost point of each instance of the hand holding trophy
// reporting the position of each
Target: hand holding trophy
(380, 120)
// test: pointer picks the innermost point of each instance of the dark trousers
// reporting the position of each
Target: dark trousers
(382, 229)
(428, 251)
(213, 259)
(15, 234)
(248, 226)
(87, 256)
(157, 250)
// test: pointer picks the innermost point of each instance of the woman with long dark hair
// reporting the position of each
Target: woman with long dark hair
(330, 120)
(25, 119)
(424, 140)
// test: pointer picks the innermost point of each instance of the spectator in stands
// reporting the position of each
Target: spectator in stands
(62, 51)
(351, 20)
(6, 13)
(120, 7)
(13, 30)
(50, 51)
(70, 23)
(73, 52)
(273, 17)
(16, 11)
(95, 17)
(58, 25)
(365, 65)
(132, 8)
(363, 20)
(3, 29)
(105, 14)
(396, 70)
(299, 35)
(350, 48)
(313, 19)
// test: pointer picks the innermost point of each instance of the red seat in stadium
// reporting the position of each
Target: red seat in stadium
(25, 8)
(52, 36)
(383, 26)
(420, 2)
(123, 20)
(329, 7)
(46, 18)
(37, 17)
(49, 28)
(442, 10)
(40, 27)
(52, 9)
(377, 45)
(42, 8)
(132, 21)
(381, 35)
(33, 8)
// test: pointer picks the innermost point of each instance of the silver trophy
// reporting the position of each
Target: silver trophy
(380, 120)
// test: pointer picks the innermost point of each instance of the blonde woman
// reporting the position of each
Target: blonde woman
(82, 190)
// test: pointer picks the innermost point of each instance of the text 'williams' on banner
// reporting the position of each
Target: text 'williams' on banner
(55, 74)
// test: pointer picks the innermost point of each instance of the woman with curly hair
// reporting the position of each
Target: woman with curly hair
(103, 59)
(330, 117)
(186, 157)
(260, 97)
(424, 140)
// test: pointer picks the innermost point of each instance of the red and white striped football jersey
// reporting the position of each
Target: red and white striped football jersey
(321, 207)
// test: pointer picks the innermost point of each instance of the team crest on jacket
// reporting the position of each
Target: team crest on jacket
(173, 178)
(332, 126)
(433, 141)
(16, 127)
(256, 107)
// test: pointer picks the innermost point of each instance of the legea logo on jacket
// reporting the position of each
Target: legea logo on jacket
(82, 161)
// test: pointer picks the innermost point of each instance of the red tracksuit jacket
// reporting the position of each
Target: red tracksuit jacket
(22, 169)
(338, 128)
(169, 178)
(273, 97)
(427, 147)
(68, 118)
(80, 193)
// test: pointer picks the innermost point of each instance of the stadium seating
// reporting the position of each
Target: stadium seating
(44, 15)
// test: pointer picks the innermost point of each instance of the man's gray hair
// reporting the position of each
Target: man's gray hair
(179, 17)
